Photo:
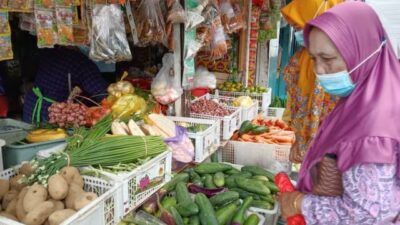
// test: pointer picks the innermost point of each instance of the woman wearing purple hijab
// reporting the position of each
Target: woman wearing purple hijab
(351, 173)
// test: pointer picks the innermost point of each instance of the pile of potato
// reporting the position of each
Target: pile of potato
(37, 205)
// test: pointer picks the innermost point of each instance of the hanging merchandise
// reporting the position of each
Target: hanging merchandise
(27, 22)
(6, 52)
(20, 5)
(45, 24)
(64, 16)
(109, 42)
(231, 16)
(150, 23)
(192, 45)
(164, 88)
(254, 32)
(176, 14)
(204, 79)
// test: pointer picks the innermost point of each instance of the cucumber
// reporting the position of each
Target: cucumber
(207, 213)
(181, 177)
(224, 198)
(268, 198)
(252, 220)
(253, 186)
(259, 130)
(246, 127)
(195, 178)
(185, 207)
(177, 217)
(214, 157)
(209, 182)
(272, 187)
(262, 204)
(168, 201)
(219, 179)
(194, 220)
(212, 167)
(238, 219)
(230, 181)
(256, 170)
(232, 171)
(244, 194)
(225, 214)
(259, 177)
(186, 220)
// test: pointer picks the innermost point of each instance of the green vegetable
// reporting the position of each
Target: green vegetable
(244, 194)
(219, 179)
(232, 171)
(238, 219)
(259, 177)
(181, 177)
(268, 198)
(212, 167)
(185, 207)
(246, 127)
(259, 130)
(224, 198)
(252, 220)
(256, 170)
(207, 214)
(168, 201)
(195, 178)
(230, 181)
(177, 217)
(194, 220)
(272, 187)
(262, 204)
(186, 221)
(214, 157)
(251, 185)
(209, 182)
(225, 214)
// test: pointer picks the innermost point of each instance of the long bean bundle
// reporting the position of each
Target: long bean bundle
(96, 149)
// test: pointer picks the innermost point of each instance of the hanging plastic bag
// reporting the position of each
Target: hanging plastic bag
(109, 42)
(150, 23)
(176, 13)
(231, 16)
(204, 78)
(218, 46)
(182, 146)
(164, 88)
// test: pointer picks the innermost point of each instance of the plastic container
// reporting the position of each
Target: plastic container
(275, 112)
(139, 184)
(269, 156)
(264, 99)
(205, 142)
(229, 124)
(104, 210)
(198, 92)
(13, 130)
(15, 154)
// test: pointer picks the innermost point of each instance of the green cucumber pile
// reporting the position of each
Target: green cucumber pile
(214, 194)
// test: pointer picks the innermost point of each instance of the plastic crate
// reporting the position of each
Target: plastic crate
(205, 142)
(2, 143)
(270, 216)
(15, 154)
(269, 156)
(228, 124)
(275, 112)
(105, 210)
(13, 130)
(139, 184)
(264, 99)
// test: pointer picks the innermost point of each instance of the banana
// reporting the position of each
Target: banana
(43, 135)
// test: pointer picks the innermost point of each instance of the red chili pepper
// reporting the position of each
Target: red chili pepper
(284, 184)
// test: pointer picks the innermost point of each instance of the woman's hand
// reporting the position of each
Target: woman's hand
(296, 155)
(290, 203)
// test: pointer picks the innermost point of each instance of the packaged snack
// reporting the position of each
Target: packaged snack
(6, 52)
(176, 14)
(4, 25)
(64, 3)
(231, 16)
(45, 28)
(64, 16)
(3, 4)
(46, 4)
(20, 5)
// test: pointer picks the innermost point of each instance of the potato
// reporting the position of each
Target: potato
(84, 199)
(8, 197)
(26, 169)
(60, 216)
(72, 175)
(8, 216)
(58, 205)
(12, 207)
(16, 182)
(4, 187)
(20, 211)
(36, 194)
(39, 214)
(58, 187)
(73, 192)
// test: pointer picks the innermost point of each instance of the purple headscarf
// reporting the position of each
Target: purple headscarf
(364, 127)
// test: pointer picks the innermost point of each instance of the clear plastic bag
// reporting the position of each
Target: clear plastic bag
(204, 78)
(109, 42)
(164, 88)
(150, 23)
(176, 13)
(231, 16)
(218, 46)
(182, 146)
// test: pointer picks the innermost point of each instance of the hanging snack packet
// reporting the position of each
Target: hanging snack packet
(6, 52)
(64, 3)
(46, 4)
(231, 16)
(4, 25)
(20, 5)
(176, 13)
(3, 4)
(45, 24)
(218, 46)
(65, 32)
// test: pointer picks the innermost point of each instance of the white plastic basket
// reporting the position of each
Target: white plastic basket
(275, 112)
(269, 156)
(264, 99)
(229, 124)
(105, 210)
(139, 184)
(205, 142)
(270, 216)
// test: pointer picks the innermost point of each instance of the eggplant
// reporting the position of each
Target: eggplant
(209, 192)
(150, 206)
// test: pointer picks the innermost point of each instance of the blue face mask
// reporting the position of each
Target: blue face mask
(299, 37)
(340, 83)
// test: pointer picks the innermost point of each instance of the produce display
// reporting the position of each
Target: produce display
(269, 131)
(67, 114)
(234, 86)
(278, 102)
(39, 204)
(212, 193)
(209, 107)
